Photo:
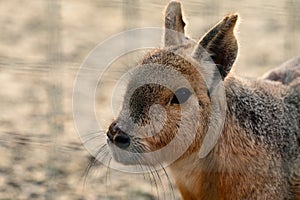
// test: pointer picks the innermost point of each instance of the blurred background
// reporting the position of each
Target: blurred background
(43, 44)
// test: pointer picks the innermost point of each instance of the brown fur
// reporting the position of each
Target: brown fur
(235, 169)
(258, 153)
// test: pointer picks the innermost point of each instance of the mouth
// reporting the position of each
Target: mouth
(122, 156)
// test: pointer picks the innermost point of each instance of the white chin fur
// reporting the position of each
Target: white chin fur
(122, 156)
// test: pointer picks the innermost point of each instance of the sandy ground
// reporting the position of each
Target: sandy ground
(43, 44)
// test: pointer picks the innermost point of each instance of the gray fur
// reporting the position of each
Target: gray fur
(285, 73)
(269, 112)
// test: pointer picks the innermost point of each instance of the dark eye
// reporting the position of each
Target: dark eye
(181, 96)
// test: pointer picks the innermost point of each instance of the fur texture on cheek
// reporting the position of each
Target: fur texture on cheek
(179, 133)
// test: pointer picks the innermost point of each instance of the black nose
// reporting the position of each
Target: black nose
(122, 140)
(117, 136)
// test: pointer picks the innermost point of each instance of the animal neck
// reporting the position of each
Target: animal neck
(238, 145)
(234, 139)
(234, 154)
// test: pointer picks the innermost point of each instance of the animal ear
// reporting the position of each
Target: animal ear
(220, 42)
(174, 24)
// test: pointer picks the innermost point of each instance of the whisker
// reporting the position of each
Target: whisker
(90, 139)
(107, 175)
(151, 172)
(168, 178)
(93, 161)
(170, 183)
(87, 170)
(161, 181)
(98, 149)
(155, 182)
(102, 153)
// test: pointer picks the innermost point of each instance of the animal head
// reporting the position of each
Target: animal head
(168, 105)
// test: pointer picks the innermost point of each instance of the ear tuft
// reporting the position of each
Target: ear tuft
(174, 24)
(220, 42)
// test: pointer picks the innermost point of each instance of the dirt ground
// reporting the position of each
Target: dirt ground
(43, 44)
